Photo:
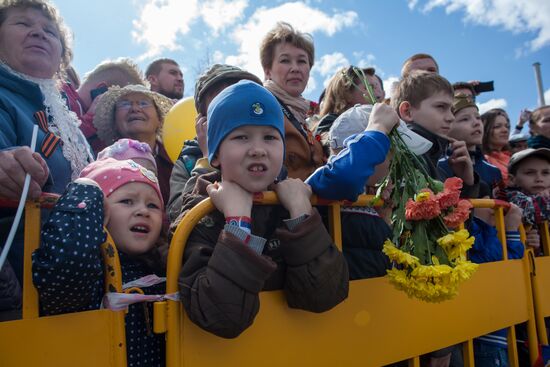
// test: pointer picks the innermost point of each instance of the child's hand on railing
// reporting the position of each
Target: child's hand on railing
(295, 196)
(533, 239)
(512, 218)
(230, 198)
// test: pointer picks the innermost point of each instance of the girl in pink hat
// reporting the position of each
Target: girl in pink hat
(68, 268)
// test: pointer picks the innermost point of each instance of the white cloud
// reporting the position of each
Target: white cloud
(364, 61)
(219, 14)
(328, 64)
(305, 18)
(512, 15)
(492, 103)
(311, 86)
(389, 85)
(218, 57)
(547, 97)
(161, 22)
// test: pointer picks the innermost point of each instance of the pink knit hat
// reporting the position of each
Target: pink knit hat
(124, 149)
(111, 174)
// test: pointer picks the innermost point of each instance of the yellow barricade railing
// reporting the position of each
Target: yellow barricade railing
(91, 338)
(375, 326)
(540, 278)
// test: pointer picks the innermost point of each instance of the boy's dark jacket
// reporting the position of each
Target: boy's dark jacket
(436, 152)
(221, 276)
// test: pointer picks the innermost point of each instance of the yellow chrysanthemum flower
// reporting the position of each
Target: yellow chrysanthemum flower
(399, 256)
(456, 244)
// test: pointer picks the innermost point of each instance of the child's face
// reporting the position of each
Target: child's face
(135, 217)
(434, 113)
(532, 175)
(542, 125)
(251, 156)
(467, 127)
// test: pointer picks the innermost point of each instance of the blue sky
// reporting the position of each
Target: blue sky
(471, 39)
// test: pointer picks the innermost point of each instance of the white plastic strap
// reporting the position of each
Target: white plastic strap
(121, 301)
(21, 206)
(144, 282)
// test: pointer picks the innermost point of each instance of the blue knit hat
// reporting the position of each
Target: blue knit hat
(243, 103)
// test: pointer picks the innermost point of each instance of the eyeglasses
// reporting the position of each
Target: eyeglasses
(126, 105)
(351, 73)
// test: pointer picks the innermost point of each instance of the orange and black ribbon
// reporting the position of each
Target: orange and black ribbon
(50, 141)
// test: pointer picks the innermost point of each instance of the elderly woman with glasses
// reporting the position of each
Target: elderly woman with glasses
(135, 112)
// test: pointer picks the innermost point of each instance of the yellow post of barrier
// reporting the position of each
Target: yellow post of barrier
(32, 241)
(544, 234)
(468, 353)
(532, 339)
(335, 225)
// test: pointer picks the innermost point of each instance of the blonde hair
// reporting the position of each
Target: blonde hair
(341, 85)
(121, 72)
(285, 33)
(536, 115)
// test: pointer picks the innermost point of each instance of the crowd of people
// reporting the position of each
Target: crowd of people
(99, 146)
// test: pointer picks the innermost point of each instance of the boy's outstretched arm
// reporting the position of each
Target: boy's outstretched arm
(346, 174)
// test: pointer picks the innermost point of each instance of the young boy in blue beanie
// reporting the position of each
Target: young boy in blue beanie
(241, 248)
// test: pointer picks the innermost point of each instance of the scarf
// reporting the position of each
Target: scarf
(299, 106)
(61, 122)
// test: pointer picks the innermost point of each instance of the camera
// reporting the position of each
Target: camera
(484, 87)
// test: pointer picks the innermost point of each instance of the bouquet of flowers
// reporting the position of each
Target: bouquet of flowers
(429, 257)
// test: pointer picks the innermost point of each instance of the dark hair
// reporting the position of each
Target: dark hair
(417, 86)
(284, 32)
(155, 67)
(489, 119)
(50, 12)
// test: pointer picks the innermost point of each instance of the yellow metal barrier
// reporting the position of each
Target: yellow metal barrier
(92, 338)
(541, 284)
(376, 325)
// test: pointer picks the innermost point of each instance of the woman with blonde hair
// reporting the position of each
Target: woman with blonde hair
(349, 86)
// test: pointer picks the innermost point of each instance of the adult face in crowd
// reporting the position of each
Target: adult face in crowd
(496, 125)
(132, 112)
(287, 58)
(166, 78)
(420, 62)
(34, 44)
(135, 112)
